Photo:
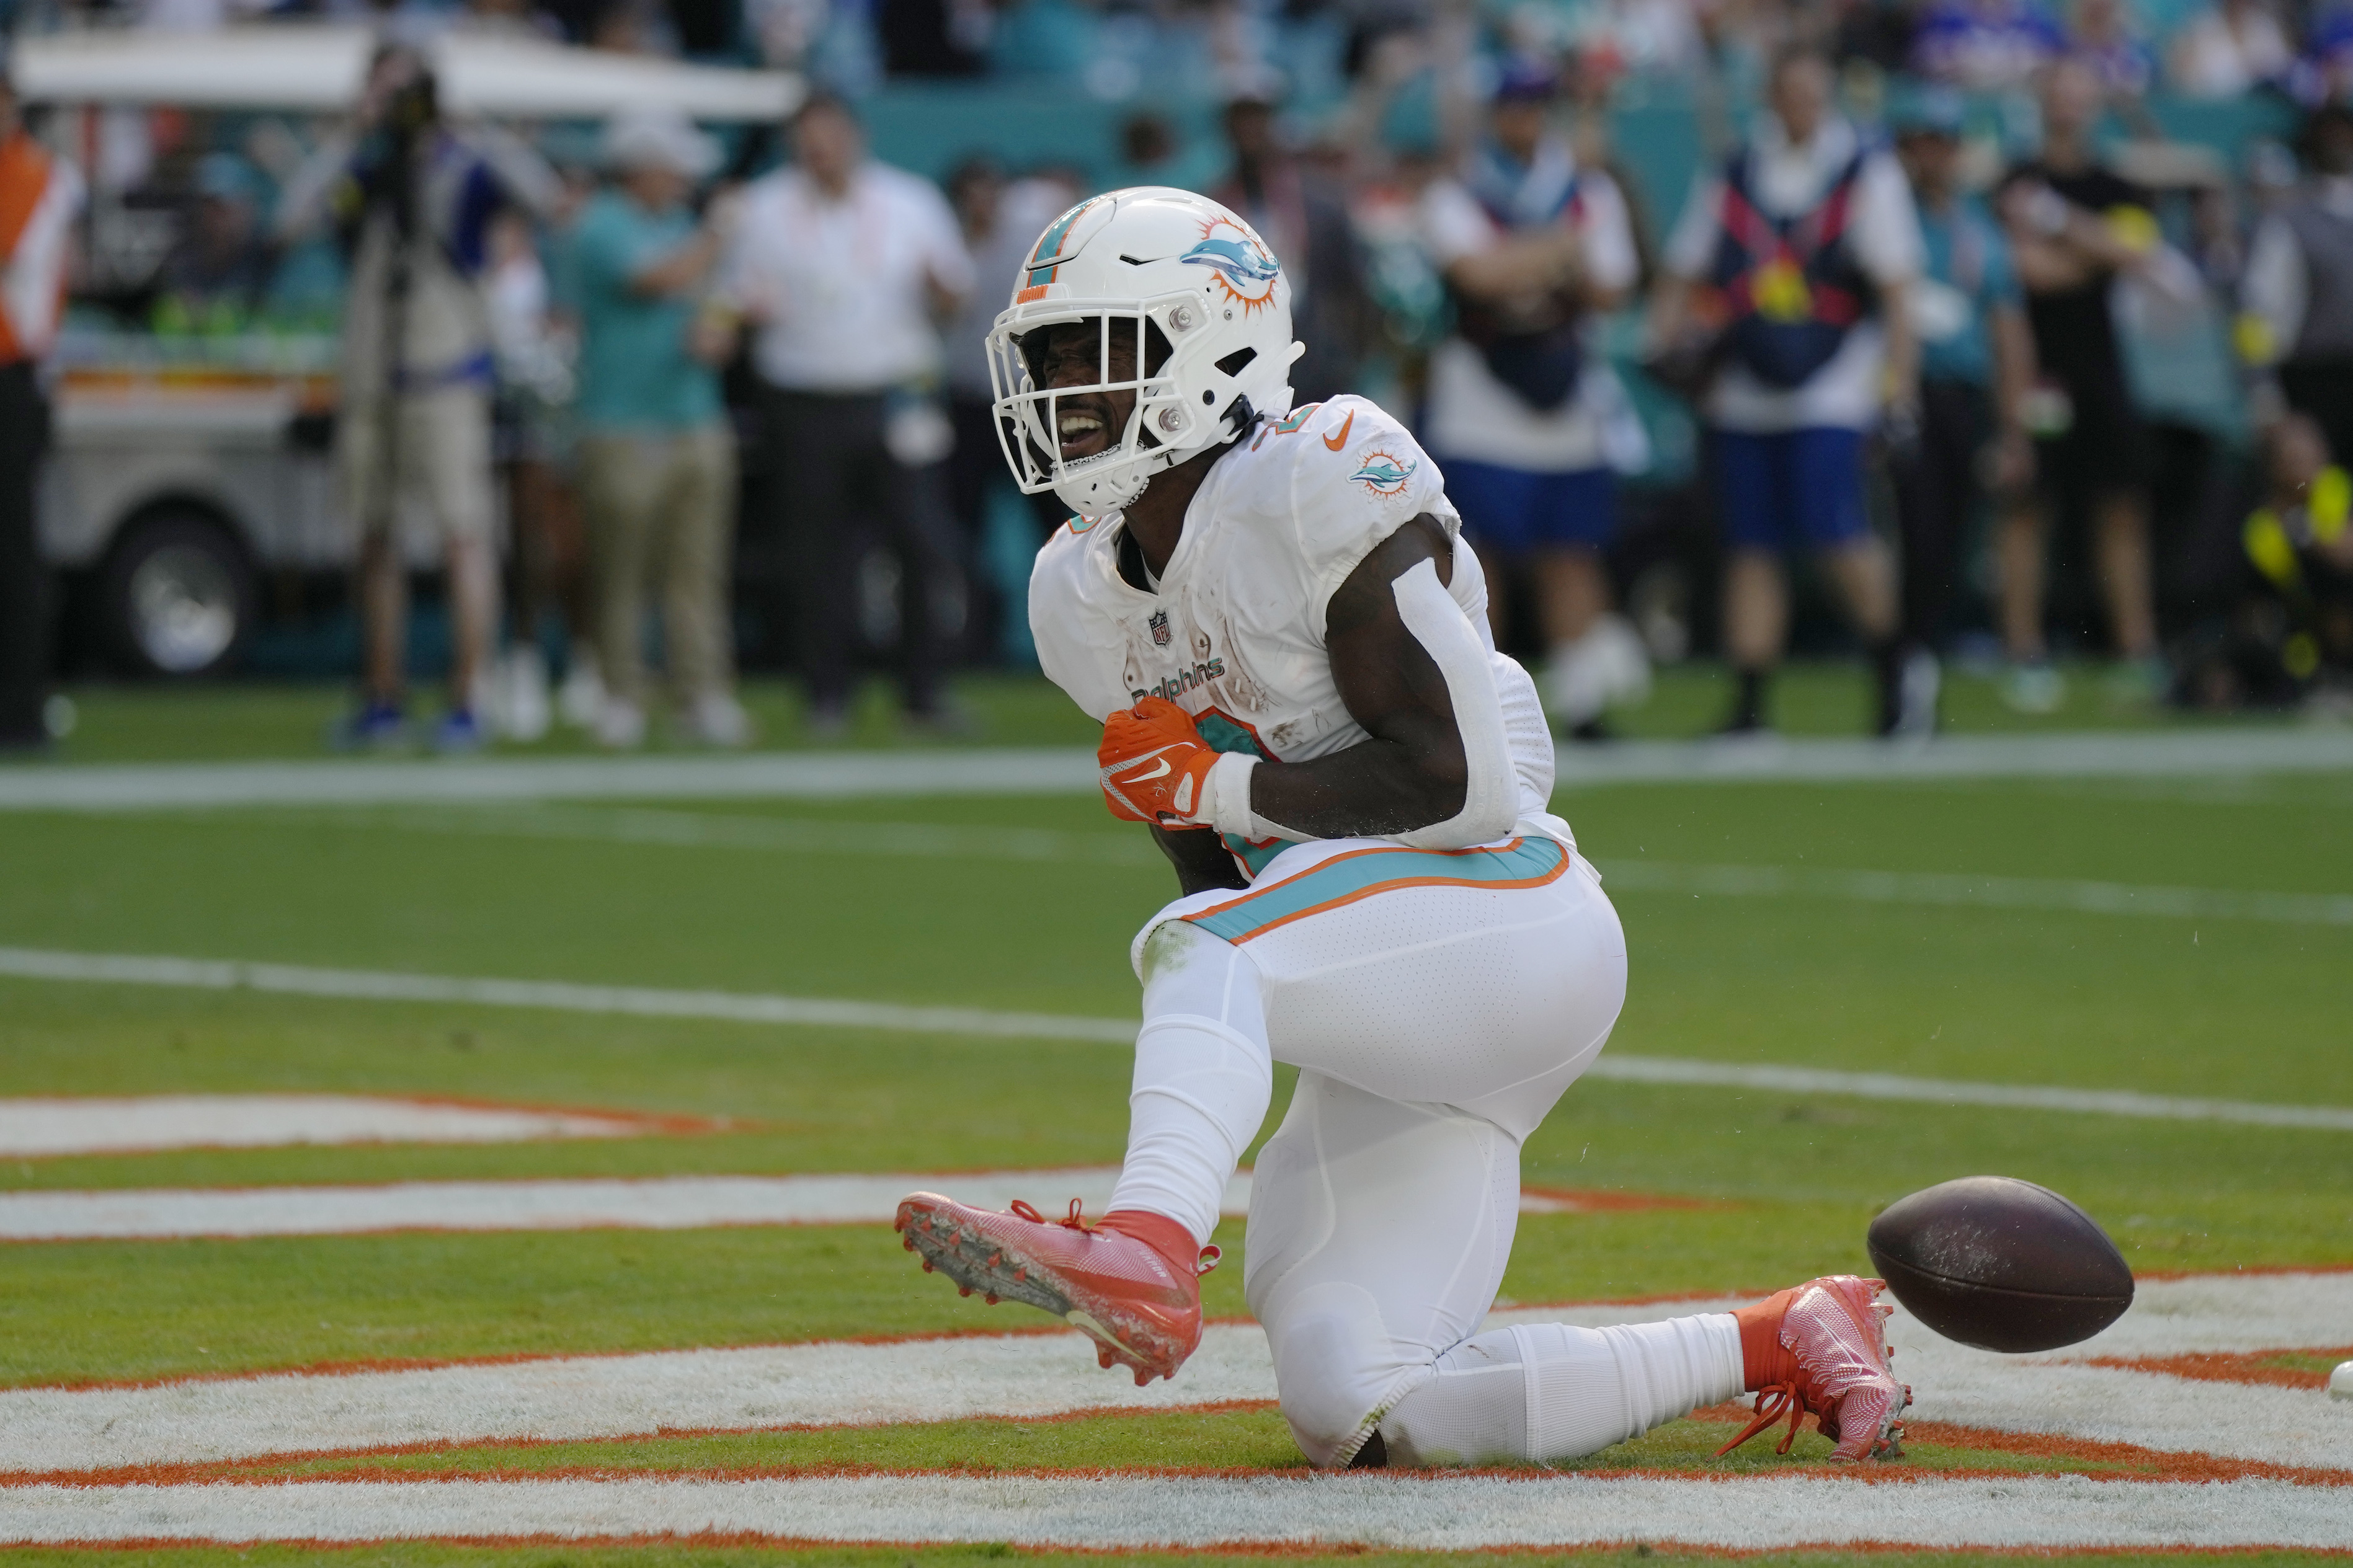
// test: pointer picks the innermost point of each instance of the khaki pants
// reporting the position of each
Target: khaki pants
(658, 508)
(443, 454)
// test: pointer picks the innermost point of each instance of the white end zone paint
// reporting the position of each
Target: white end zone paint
(833, 1384)
(31, 1128)
(651, 1203)
(659, 1203)
(1132, 1511)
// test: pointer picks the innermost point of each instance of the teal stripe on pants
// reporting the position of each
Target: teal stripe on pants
(1533, 859)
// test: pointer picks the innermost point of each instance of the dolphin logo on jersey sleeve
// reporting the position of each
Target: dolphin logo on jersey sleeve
(1384, 473)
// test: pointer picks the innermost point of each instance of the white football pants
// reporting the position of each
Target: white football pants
(1437, 1004)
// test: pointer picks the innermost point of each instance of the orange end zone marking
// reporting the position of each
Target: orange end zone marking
(2233, 1366)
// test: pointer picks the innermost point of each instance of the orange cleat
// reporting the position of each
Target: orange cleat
(1820, 1349)
(1132, 1280)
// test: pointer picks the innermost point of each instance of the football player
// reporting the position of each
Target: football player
(1270, 610)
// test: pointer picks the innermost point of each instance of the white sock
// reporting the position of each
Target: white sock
(1203, 1076)
(1548, 1391)
(1608, 664)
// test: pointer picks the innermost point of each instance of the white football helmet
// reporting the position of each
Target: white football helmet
(1172, 269)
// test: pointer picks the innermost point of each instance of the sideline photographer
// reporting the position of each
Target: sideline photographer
(412, 199)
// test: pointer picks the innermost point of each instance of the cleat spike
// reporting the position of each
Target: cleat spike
(990, 1297)
(1142, 1377)
(927, 1266)
(964, 1289)
(907, 1242)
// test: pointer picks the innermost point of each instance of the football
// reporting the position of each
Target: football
(2000, 1263)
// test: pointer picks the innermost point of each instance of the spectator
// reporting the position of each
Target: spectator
(2299, 286)
(657, 453)
(2104, 38)
(1976, 362)
(40, 194)
(1305, 217)
(2073, 228)
(844, 265)
(1801, 255)
(1151, 153)
(2324, 72)
(219, 271)
(536, 372)
(1000, 220)
(1521, 407)
(1985, 45)
(2230, 50)
(414, 202)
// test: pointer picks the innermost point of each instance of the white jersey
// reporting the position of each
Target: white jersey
(1234, 633)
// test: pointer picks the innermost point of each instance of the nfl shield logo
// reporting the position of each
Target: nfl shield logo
(1159, 625)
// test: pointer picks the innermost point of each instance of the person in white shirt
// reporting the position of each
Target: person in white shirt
(844, 266)
(1793, 265)
(1528, 417)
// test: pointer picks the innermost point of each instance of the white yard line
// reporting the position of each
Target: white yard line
(49, 1430)
(782, 835)
(32, 1128)
(1957, 1091)
(1935, 890)
(374, 985)
(766, 776)
(1072, 771)
(659, 1203)
(1113, 1511)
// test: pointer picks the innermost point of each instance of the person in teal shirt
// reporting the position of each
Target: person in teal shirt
(656, 456)
(1976, 362)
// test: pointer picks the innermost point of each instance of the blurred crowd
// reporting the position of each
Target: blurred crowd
(1948, 350)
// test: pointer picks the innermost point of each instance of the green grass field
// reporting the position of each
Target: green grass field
(2233, 1009)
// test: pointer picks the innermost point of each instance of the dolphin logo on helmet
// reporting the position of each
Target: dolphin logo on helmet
(1243, 266)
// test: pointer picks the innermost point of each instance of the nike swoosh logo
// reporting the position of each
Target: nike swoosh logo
(1339, 438)
(1145, 778)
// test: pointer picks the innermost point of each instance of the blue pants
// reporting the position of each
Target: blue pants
(1796, 488)
(1513, 513)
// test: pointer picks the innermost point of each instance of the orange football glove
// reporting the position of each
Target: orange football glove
(1152, 764)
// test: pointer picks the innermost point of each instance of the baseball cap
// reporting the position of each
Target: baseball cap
(658, 138)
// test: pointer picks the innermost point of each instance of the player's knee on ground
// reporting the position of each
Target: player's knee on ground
(1336, 1368)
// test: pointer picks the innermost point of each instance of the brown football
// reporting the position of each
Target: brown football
(2000, 1263)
